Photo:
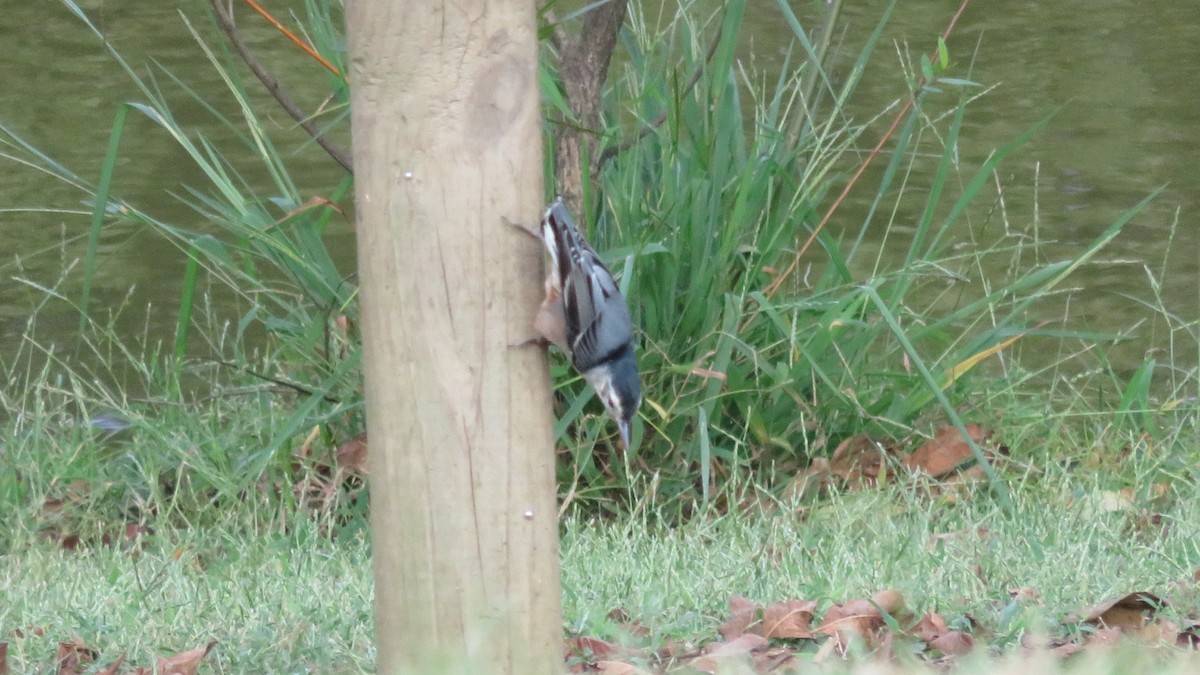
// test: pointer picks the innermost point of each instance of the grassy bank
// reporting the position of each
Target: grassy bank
(283, 602)
(145, 542)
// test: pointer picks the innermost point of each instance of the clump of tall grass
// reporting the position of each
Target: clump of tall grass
(758, 354)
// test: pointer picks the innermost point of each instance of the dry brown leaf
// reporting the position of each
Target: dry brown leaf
(1066, 649)
(890, 602)
(861, 619)
(742, 613)
(71, 657)
(1104, 637)
(618, 668)
(719, 655)
(1025, 595)
(4, 658)
(858, 459)
(53, 535)
(953, 643)
(673, 649)
(352, 455)
(114, 667)
(772, 660)
(1189, 638)
(52, 506)
(855, 620)
(814, 481)
(1158, 632)
(943, 453)
(930, 627)
(590, 647)
(629, 626)
(131, 538)
(619, 615)
(184, 663)
(1129, 612)
(791, 619)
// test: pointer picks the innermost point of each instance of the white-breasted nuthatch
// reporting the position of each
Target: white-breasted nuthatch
(585, 314)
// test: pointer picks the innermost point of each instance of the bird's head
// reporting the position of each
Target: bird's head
(620, 389)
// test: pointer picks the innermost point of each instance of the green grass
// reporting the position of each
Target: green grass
(280, 594)
(276, 604)
(958, 554)
(1099, 511)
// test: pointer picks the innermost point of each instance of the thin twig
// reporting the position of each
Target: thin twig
(286, 102)
(292, 36)
(293, 386)
(614, 150)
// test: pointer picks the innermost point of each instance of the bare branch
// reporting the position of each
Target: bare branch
(583, 69)
(289, 105)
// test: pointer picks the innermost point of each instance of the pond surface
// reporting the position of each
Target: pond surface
(1121, 75)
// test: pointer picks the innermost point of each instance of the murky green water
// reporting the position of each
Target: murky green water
(63, 90)
(1122, 75)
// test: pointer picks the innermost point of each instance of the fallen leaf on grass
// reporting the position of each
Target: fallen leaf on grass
(720, 655)
(1189, 638)
(114, 667)
(953, 643)
(673, 650)
(946, 451)
(591, 648)
(627, 624)
(1025, 595)
(3, 658)
(930, 627)
(1104, 637)
(184, 663)
(773, 659)
(70, 657)
(813, 482)
(352, 455)
(1064, 649)
(861, 619)
(584, 653)
(742, 613)
(1158, 632)
(791, 619)
(67, 542)
(859, 459)
(1127, 613)
(131, 538)
(618, 668)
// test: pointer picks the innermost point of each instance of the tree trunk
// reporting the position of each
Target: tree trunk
(583, 69)
(446, 131)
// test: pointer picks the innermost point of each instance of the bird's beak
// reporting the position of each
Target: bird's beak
(624, 427)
